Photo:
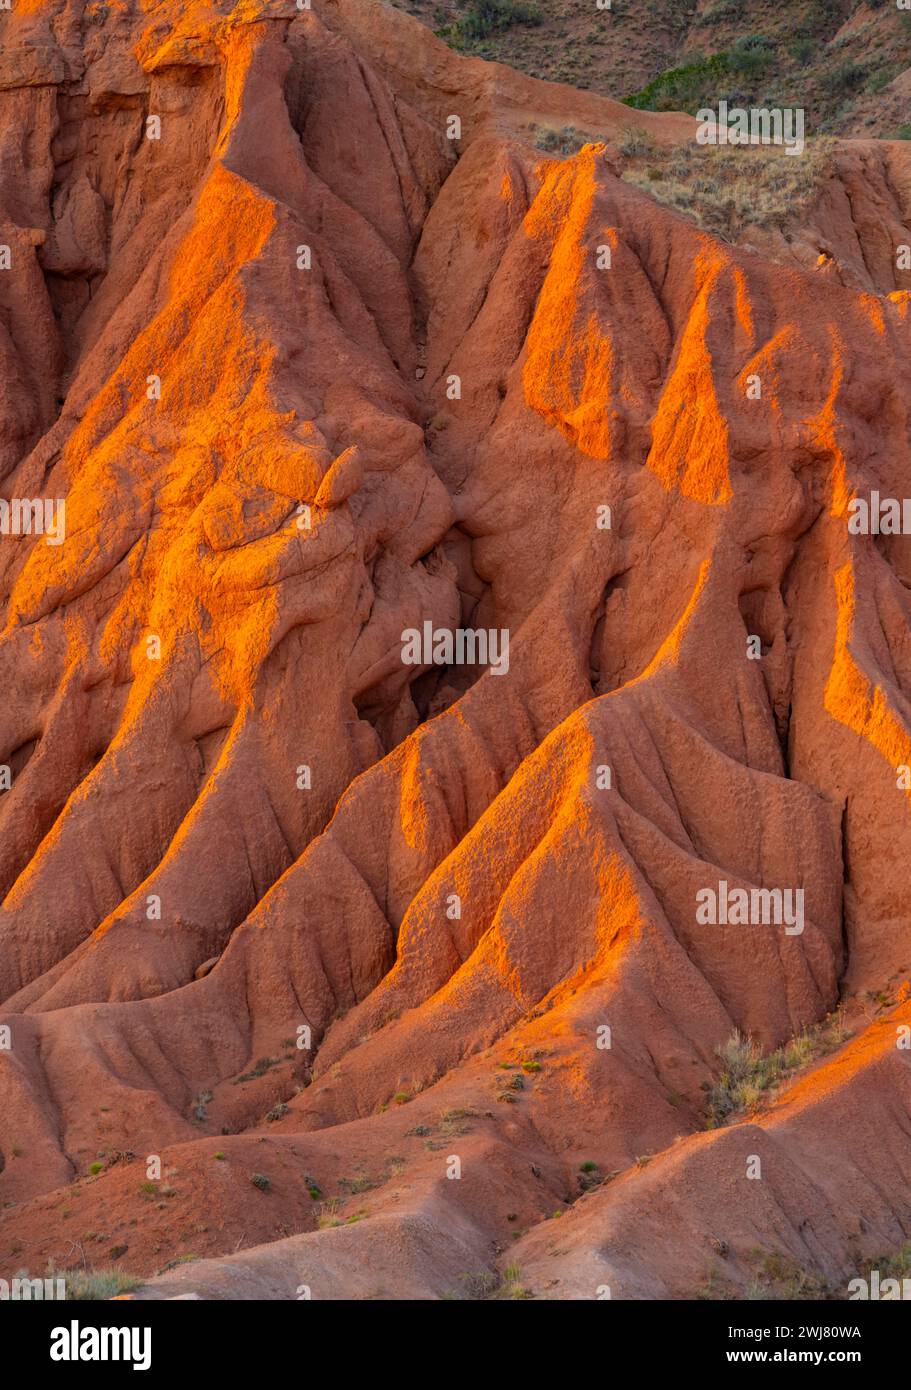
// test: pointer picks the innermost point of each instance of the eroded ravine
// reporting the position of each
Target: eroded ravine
(237, 814)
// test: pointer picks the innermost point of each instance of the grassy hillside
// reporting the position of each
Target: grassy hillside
(838, 59)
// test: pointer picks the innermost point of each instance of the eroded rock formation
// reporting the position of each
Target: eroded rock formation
(307, 373)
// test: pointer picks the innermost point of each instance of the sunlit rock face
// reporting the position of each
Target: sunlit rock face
(447, 689)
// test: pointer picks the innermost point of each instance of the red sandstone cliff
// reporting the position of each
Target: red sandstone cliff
(236, 814)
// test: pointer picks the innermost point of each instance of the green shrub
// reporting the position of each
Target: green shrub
(683, 87)
(844, 79)
(565, 141)
(747, 1072)
(486, 17)
(701, 81)
(98, 1284)
(751, 56)
(896, 1266)
(802, 50)
(635, 141)
(727, 9)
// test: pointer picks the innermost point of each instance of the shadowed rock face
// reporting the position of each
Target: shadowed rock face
(421, 944)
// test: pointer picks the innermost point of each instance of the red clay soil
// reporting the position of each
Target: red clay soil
(278, 905)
